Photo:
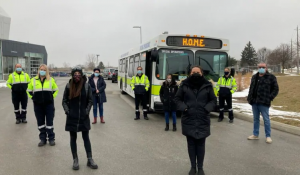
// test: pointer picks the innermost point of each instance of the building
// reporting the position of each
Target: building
(30, 56)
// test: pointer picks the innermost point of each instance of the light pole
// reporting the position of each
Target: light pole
(140, 27)
(97, 61)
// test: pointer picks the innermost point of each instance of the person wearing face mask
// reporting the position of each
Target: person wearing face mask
(167, 93)
(263, 89)
(18, 82)
(225, 87)
(77, 103)
(42, 89)
(98, 86)
(196, 99)
(140, 86)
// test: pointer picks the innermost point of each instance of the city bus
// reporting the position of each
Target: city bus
(172, 54)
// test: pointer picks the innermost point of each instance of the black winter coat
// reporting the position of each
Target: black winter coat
(78, 109)
(263, 91)
(101, 85)
(199, 103)
(167, 93)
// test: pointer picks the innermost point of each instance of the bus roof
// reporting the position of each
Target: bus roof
(180, 41)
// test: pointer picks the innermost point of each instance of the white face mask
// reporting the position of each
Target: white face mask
(169, 80)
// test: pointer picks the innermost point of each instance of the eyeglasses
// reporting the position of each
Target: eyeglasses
(261, 67)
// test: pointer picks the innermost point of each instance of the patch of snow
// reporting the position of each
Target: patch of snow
(2, 85)
(247, 109)
(243, 93)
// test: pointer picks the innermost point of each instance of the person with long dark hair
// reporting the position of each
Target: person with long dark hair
(167, 93)
(77, 103)
(196, 99)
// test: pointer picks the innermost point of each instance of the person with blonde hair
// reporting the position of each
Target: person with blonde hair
(225, 87)
(42, 89)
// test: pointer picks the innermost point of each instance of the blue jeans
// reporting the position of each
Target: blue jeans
(95, 105)
(167, 113)
(264, 111)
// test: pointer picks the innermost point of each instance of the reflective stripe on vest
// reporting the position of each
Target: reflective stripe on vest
(43, 89)
(230, 85)
(141, 84)
(14, 79)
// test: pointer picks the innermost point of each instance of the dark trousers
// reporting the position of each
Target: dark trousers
(18, 98)
(86, 140)
(228, 99)
(44, 114)
(196, 149)
(138, 99)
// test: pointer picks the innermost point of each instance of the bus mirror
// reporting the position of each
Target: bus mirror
(154, 55)
(232, 72)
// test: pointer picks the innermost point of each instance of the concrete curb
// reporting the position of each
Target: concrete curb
(274, 125)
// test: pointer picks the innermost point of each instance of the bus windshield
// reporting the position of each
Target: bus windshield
(213, 63)
(175, 62)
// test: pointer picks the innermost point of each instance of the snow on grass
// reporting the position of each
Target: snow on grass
(2, 85)
(247, 109)
(243, 93)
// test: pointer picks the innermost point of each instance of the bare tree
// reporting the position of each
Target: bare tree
(66, 65)
(262, 54)
(281, 55)
(91, 60)
(51, 67)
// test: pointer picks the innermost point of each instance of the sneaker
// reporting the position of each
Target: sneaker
(24, 121)
(253, 137)
(220, 120)
(230, 121)
(18, 121)
(269, 140)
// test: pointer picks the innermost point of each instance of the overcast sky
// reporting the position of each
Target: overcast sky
(72, 29)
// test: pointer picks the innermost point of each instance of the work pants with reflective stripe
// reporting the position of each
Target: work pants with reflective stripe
(228, 99)
(18, 98)
(138, 99)
(44, 114)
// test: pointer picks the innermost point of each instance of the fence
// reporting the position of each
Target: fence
(253, 69)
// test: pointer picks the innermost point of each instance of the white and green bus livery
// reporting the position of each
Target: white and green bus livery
(172, 54)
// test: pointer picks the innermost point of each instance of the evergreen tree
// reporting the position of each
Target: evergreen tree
(249, 56)
(101, 65)
(231, 61)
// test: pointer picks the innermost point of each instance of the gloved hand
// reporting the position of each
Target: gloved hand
(67, 113)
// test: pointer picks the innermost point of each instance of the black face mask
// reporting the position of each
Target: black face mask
(196, 78)
(226, 73)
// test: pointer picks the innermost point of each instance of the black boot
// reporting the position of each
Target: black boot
(221, 116)
(230, 117)
(167, 127)
(18, 116)
(200, 171)
(193, 171)
(137, 115)
(23, 116)
(90, 162)
(174, 127)
(42, 143)
(75, 162)
(145, 116)
(18, 121)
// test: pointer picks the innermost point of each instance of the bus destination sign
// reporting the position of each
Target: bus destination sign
(181, 41)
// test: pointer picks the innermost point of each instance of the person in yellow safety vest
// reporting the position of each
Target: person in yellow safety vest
(225, 87)
(140, 86)
(18, 82)
(42, 89)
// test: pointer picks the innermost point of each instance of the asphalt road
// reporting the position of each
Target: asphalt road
(128, 147)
